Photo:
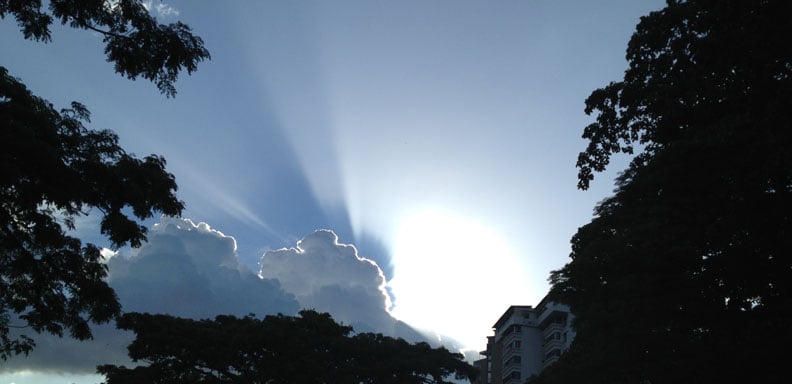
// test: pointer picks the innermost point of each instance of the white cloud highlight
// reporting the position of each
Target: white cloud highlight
(185, 269)
(328, 276)
(192, 270)
(107, 254)
(160, 9)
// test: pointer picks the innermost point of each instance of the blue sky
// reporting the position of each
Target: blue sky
(437, 137)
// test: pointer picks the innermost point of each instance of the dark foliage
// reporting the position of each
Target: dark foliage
(310, 348)
(54, 170)
(685, 274)
(134, 41)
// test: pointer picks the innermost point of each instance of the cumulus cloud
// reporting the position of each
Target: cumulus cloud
(192, 270)
(185, 269)
(328, 276)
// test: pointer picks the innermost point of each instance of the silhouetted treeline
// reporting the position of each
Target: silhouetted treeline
(685, 273)
(309, 348)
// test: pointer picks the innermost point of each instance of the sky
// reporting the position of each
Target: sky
(407, 166)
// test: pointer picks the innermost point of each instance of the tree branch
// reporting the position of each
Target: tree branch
(89, 26)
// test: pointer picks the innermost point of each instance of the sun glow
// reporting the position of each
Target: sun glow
(446, 269)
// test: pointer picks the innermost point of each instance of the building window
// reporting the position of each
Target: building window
(555, 352)
(560, 320)
(552, 336)
(513, 329)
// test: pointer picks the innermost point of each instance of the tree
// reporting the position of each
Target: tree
(53, 169)
(134, 42)
(309, 348)
(685, 274)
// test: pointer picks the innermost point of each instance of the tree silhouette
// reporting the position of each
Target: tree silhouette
(134, 41)
(685, 274)
(53, 170)
(309, 348)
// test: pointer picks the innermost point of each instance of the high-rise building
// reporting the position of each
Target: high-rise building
(526, 340)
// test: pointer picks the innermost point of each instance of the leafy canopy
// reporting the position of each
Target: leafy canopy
(685, 274)
(309, 348)
(53, 170)
(134, 41)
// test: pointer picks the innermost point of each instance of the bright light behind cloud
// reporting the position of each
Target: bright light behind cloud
(451, 274)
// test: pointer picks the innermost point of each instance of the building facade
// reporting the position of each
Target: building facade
(525, 341)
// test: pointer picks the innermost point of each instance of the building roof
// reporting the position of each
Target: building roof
(509, 313)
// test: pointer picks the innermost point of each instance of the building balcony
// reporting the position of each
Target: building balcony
(552, 327)
(548, 311)
(509, 352)
(549, 360)
(551, 357)
(511, 380)
(511, 366)
(511, 337)
(513, 373)
(551, 344)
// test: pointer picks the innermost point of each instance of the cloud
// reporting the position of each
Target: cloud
(185, 269)
(328, 276)
(67, 355)
(160, 9)
(192, 270)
